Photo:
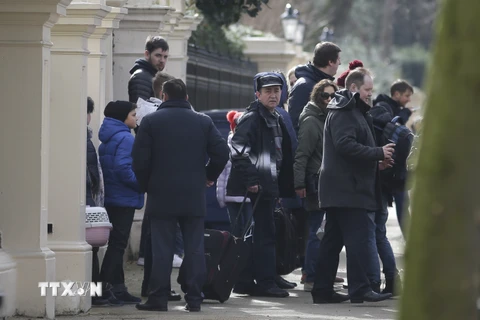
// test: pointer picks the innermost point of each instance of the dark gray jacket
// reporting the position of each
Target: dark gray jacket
(349, 176)
(169, 159)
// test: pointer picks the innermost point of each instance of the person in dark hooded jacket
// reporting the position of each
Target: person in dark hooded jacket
(349, 192)
(142, 73)
(326, 59)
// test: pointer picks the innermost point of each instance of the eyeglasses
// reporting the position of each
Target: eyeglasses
(326, 95)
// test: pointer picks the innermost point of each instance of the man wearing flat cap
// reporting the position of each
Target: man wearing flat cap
(261, 156)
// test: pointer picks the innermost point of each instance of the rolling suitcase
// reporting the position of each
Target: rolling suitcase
(225, 256)
(286, 241)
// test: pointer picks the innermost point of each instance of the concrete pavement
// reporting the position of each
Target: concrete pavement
(298, 306)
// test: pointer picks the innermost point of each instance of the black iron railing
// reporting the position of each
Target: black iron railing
(216, 81)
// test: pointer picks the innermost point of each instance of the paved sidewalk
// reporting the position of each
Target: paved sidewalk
(298, 306)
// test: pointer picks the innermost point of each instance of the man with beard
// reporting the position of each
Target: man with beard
(326, 59)
(156, 56)
(349, 191)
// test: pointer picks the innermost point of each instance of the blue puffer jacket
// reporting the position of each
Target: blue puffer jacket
(121, 187)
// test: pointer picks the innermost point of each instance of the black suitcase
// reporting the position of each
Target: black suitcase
(286, 241)
(225, 256)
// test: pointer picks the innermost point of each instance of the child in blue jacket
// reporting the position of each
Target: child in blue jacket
(122, 194)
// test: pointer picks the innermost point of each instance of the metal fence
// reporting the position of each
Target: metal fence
(218, 82)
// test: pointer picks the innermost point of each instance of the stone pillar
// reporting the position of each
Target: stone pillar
(144, 18)
(25, 45)
(68, 128)
(117, 7)
(178, 42)
(99, 69)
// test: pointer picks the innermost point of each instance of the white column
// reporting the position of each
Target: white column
(67, 166)
(25, 45)
(100, 47)
(178, 42)
(144, 18)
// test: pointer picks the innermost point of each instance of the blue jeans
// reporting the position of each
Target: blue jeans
(238, 224)
(315, 219)
(383, 247)
(402, 202)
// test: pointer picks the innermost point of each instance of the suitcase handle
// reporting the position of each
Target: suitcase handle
(249, 224)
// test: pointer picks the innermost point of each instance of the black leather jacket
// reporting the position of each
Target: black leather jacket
(252, 151)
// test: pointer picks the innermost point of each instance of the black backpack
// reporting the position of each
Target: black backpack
(393, 132)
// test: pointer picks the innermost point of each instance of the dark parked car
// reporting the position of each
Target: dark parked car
(217, 218)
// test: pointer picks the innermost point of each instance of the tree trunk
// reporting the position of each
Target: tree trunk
(442, 249)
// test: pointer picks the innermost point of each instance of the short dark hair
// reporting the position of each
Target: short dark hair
(175, 89)
(156, 42)
(324, 53)
(400, 86)
(315, 96)
(158, 81)
(357, 76)
(90, 105)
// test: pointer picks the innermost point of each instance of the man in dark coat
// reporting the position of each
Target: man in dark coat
(349, 191)
(261, 155)
(385, 108)
(169, 162)
(142, 73)
(326, 59)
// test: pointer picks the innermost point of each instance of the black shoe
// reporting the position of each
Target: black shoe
(127, 298)
(371, 297)
(173, 296)
(192, 308)
(393, 286)
(273, 292)
(99, 302)
(111, 298)
(335, 298)
(152, 306)
(284, 284)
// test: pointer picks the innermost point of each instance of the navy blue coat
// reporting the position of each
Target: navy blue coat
(307, 77)
(169, 158)
(121, 187)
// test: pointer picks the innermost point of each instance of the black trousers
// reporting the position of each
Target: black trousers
(163, 247)
(95, 265)
(262, 266)
(112, 266)
(352, 228)
(147, 252)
